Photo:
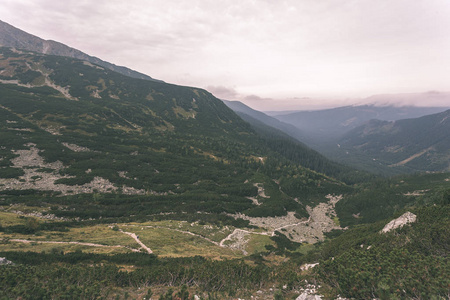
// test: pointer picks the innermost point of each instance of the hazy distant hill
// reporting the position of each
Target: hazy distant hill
(321, 125)
(419, 144)
(322, 130)
(11, 36)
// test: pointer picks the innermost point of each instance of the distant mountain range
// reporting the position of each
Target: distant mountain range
(320, 125)
(359, 135)
(418, 144)
(11, 36)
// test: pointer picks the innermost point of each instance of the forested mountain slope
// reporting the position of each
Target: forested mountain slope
(374, 258)
(410, 262)
(286, 139)
(70, 127)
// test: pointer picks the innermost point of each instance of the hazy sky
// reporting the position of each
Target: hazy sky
(269, 54)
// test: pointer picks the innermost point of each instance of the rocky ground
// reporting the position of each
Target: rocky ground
(36, 178)
(41, 175)
(322, 219)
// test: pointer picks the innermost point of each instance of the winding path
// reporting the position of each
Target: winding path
(133, 235)
(136, 238)
(73, 243)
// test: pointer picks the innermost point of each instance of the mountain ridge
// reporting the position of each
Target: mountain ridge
(11, 36)
(334, 122)
(287, 128)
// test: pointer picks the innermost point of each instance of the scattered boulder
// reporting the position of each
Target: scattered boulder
(406, 218)
(4, 261)
(309, 292)
(308, 266)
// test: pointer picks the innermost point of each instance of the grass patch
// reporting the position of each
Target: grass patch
(305, 248)
(171, 243)
(258, 243)
(10, 219)
(336, 221)
(100, 234)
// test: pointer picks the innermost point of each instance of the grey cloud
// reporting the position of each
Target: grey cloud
(256, 98)
(265, 50)
(223, 92)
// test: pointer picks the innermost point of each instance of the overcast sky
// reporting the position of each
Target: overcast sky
(272, 55)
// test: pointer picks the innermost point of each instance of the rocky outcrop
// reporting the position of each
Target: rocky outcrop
(404, 219)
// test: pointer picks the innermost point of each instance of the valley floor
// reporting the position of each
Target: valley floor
(176, 238)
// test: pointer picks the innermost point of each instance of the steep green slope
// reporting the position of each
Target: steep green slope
(136, 147)
(383, 198)
(296, 151)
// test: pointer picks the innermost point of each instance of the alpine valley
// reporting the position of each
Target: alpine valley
(114, 185)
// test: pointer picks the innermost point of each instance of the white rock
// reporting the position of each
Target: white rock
(406, 218)
(308, 266)
(306, 296)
